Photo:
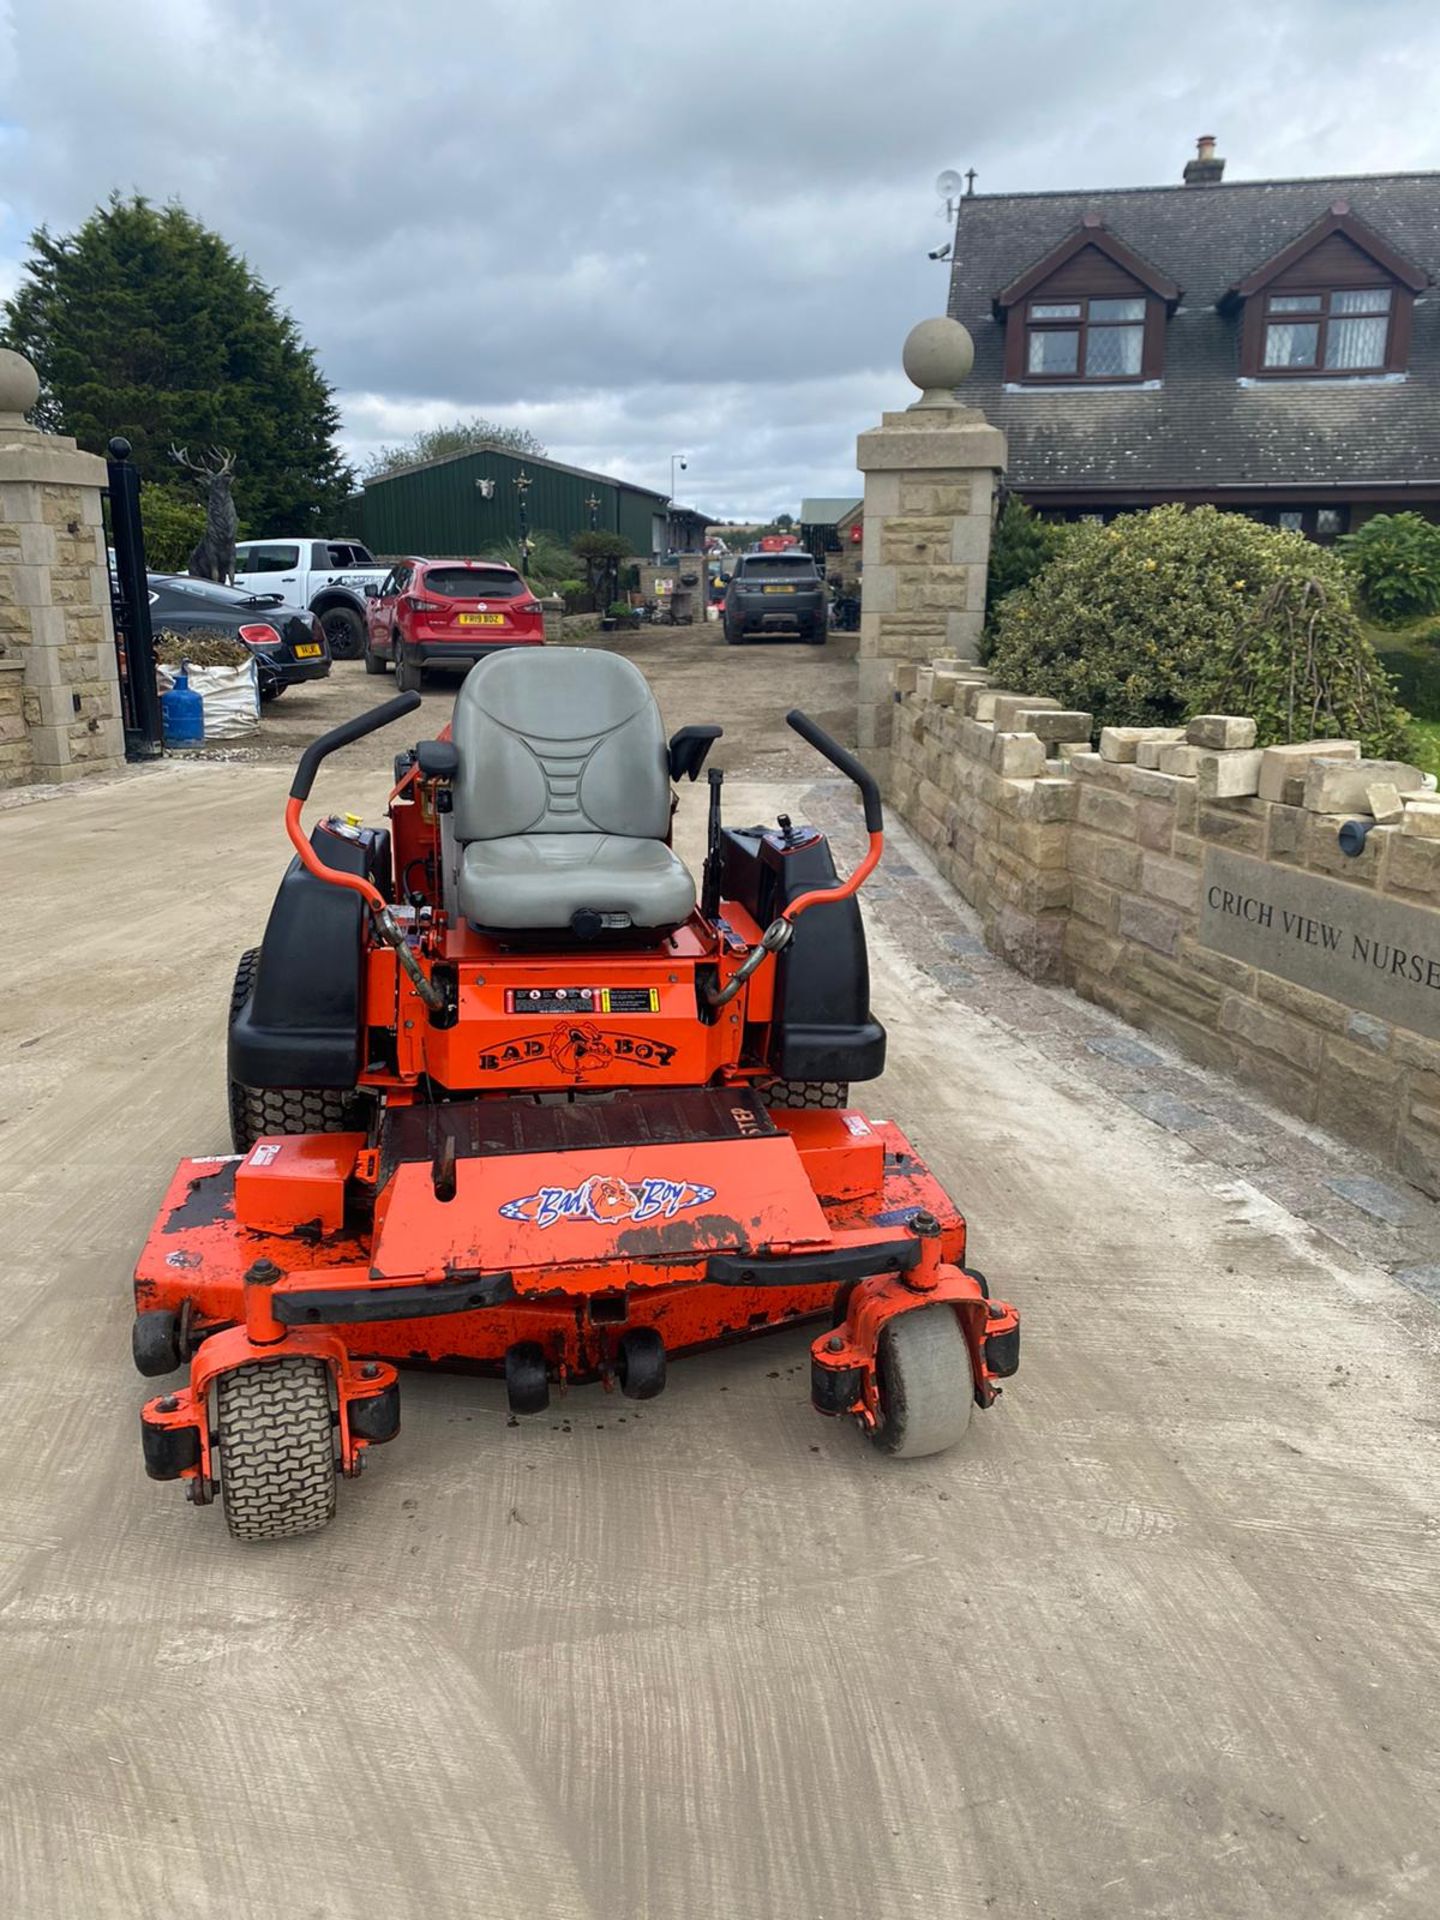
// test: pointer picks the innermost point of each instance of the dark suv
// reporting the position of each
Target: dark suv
(775, 593)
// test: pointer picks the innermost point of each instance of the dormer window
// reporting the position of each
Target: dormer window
(1336, 302)
(1091, 313)
(1339, 332)
(1085, 339)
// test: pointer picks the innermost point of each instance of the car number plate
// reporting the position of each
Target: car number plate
(779, 589)
(310, 651)
(482, 619)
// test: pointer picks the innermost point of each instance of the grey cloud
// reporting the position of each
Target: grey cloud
(641, 226)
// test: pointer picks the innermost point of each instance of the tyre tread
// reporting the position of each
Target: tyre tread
(277, 1448)
(831, 1094)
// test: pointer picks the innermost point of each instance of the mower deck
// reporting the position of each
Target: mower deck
(477, 1224)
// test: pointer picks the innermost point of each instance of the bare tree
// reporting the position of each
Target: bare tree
(214, 555)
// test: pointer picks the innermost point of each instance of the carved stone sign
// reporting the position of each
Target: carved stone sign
(1360, 948)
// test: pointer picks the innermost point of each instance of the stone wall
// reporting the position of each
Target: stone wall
(1113, 872)
(17, 756)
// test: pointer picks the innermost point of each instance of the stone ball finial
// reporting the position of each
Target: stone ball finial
(938, 355)
(19, 387)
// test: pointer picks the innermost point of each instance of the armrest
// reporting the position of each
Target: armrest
(437, 759)
(689, 748)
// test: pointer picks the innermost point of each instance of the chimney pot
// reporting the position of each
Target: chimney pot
(1206, 169)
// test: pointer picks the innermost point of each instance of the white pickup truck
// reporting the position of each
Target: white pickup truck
(327, 576)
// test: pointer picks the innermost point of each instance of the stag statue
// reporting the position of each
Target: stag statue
(214, 555)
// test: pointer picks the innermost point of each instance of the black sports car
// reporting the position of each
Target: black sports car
(288, 643)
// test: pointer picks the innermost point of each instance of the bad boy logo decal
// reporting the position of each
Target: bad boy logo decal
(604, 1197)
(578, 1048)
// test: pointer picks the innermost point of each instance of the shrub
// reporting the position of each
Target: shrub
(546, 563)
(1176, 612)
(1415, 670)
(1022, 547)
(173, 527)
(1396, 559)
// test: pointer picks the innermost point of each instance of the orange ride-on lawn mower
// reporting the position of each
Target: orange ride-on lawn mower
(504, 1095)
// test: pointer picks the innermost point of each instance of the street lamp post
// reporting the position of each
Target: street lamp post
(593, 503)
(671, 535)
(522, 487)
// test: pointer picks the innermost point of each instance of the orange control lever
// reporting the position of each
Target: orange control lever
(819, 896)
(312, 862)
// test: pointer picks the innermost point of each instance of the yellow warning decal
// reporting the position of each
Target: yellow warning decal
(629, 1000)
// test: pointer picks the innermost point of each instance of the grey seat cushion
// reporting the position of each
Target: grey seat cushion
(543, 879)
(562, 795)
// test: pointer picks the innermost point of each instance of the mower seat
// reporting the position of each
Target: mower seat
(562, 797)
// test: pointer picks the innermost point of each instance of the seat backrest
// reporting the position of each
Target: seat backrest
(555, 740)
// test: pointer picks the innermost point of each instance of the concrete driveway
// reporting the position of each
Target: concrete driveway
(1159, 1640)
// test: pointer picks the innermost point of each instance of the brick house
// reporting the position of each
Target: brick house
(1267, 345)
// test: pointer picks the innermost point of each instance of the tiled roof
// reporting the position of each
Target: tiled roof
(1201, 427)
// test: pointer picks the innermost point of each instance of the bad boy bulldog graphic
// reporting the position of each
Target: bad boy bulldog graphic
(606, 1198)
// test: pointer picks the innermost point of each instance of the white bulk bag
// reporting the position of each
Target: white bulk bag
(231, 697)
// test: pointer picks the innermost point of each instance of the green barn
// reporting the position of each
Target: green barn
(469, 503)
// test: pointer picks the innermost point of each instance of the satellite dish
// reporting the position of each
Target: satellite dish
(949, 184)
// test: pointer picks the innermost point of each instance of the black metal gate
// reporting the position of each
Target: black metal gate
(130, 608)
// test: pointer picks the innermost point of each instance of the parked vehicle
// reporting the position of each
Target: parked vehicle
(327, 576)
(430, 613)
(288, 643)
(775, 593)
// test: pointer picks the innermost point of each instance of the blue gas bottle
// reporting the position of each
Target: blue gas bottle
(182, 715)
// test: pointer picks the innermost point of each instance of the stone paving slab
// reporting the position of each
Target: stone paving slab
(1327, 1184)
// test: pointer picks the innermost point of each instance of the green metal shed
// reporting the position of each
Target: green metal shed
(469, 502)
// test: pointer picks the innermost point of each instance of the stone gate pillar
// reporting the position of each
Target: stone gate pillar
(54, 596)
(930, 475)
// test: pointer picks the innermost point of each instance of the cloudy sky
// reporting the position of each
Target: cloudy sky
(640, 228)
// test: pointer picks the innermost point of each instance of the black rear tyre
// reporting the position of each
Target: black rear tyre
(257, 1111)
(374, 662)
(408, 671)
(805, 1093)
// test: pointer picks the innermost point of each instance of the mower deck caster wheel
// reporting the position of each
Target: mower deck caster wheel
(526, 1382)
(640, 1364)
(277, 1448)
(926, 1381)
(155, 1342)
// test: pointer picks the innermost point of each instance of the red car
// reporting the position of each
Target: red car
(428, 613)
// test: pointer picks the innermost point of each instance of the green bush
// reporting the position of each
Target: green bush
(1023, 546)
(1416, 674)
(173, 525)
(1396, 559)
(1174, 612)
(548, 561)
